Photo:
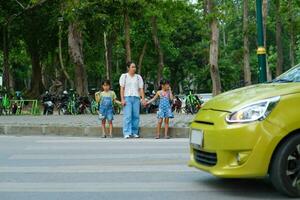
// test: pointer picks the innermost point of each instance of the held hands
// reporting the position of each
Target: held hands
(118, 102)
(123, 102)
(144, 102)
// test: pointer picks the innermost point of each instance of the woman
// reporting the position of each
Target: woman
(132, 93)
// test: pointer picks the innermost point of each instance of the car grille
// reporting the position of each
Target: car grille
(205, 158)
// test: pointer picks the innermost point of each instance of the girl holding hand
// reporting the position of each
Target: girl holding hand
(165, 110)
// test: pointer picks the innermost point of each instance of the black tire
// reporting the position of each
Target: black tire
(189, 109)
(285, 167)
(194, 109)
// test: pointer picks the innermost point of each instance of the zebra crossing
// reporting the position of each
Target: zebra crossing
(93, 168)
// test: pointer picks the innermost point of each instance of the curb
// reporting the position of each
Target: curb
(82, 131)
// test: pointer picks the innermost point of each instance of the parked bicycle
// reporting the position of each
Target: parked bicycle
(4, 104)
(72, 103)
(93, 104)
(192, 103)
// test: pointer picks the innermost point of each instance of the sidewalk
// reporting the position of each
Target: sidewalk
(85, 125)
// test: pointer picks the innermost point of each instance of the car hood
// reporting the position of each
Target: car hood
(230, 101)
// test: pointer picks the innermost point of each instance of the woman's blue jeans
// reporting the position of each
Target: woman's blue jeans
(131, 119)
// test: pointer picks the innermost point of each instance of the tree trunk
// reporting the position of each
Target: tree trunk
(247, 70)
(36, 78)
(106, 57)
(109, 41)
(279, 63)
(109, 57)
(265, 14)
(158, 49)
(76, 54)
(292, 34)
(141, 57)
(5, 57)
(44, 76)
(61, 61)
(36, 83)
(214, 50)
(11, 81)
(205, 7)
(127, 35)
(292, 46)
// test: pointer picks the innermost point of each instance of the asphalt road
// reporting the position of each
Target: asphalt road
(69, 168)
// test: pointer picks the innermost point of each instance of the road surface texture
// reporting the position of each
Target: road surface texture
(75, 168)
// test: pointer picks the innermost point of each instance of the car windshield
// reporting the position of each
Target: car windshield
(293, 75)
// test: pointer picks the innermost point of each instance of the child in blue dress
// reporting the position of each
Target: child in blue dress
(106, 100)
(165, 109)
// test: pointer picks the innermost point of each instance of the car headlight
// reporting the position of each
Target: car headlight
(256, 111)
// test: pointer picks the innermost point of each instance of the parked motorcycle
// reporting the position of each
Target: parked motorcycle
(62, 105)
(16, 106)
(83, 105)
(48, 103)
(177, 105)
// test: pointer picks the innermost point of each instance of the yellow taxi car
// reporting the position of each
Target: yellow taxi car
(252, 132)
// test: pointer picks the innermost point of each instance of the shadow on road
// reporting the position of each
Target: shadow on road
(243, 188)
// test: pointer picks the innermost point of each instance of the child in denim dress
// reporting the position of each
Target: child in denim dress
(165, 109)
(106, 100)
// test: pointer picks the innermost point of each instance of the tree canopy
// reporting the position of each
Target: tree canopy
(82, 42)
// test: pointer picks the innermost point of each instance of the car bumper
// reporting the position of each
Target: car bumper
(233, 150)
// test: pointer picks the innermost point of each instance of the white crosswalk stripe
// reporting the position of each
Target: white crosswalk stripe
(96, 156)
(114, 141)
(96, 169)
(101, 187)
(65, 168)
(107, 147)
(144, 156)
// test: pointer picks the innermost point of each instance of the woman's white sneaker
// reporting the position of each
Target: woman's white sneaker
(136, 136)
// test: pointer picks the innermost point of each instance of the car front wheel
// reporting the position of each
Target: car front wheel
(285, 168)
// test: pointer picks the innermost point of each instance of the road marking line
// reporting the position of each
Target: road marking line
(96, 169)
(98, 156)
(105, 147)
(104, 187)
(111, 141)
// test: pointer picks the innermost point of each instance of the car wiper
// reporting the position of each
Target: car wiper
(282, 80)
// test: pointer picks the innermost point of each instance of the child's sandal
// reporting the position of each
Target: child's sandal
(167, 137)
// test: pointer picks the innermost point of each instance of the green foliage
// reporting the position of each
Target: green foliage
(166, 73)
(183, 31)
